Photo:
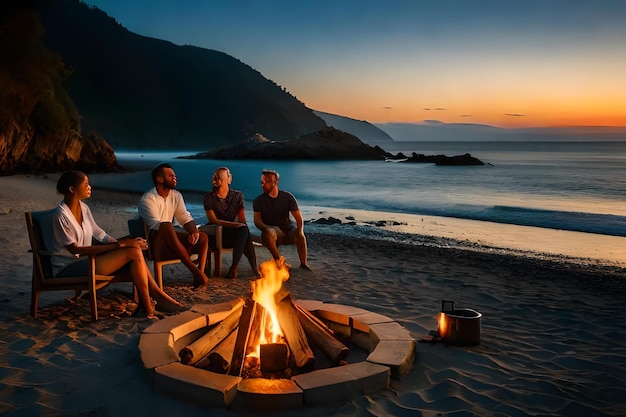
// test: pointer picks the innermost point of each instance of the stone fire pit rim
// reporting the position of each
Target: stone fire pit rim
(391, 355)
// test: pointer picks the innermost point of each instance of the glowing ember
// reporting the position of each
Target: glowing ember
(264, 291)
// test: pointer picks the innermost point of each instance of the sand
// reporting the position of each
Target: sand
(553, 339)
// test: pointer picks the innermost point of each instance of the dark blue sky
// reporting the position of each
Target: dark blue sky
(506, 63)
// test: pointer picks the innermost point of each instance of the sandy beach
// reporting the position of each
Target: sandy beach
(553, 339)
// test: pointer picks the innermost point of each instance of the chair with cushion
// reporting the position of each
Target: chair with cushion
(138, 228)
(39, 224)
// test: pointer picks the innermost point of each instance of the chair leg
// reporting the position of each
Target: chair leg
(34, 302)
(207, 268)
(34, 297)
(93, 303)
(218, 263)
(158, 274)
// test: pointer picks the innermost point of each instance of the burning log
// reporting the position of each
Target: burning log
(218, 360)
(322, 336)
(191, 354)
(274, 357)
(243, 335)
(294, 334)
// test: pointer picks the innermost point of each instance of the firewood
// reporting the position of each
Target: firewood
(315, 319)
(274, 357)
(243, 334)
(333, 348)
(192, 353)
(294, 334)
(218, 360)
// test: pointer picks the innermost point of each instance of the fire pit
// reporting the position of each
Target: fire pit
(216, 354)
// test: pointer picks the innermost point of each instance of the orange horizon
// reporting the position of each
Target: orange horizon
(503, 120)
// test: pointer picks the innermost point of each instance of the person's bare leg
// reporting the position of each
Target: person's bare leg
(250, 253)
(202, 249)
(111, 262)
(302, 252)
(164, 301)
(167, 245)
(269, 239)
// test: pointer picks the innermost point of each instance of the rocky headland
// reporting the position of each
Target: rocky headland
(326, 144)
(465, 159)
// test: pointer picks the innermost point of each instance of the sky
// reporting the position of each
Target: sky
(499, 62)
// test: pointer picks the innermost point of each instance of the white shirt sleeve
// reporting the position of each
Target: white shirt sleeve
(151, 209)
(181, 214)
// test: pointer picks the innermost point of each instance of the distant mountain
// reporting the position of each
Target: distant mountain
(145, 93)
(362, 129)
(434, 130)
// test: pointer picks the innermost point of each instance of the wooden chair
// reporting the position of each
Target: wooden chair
(39, 224)
(138, 228)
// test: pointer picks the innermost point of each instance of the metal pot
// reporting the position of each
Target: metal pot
(460, 326)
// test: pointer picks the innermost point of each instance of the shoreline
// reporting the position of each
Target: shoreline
(553, 337)
(474, 235)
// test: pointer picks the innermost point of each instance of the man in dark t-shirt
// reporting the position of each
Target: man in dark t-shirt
(271, 217)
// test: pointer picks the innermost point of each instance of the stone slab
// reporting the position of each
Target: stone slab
(398, 355)
(179, 325)
(196, 385)
(331, 385)
(389, 331)
(157, 350)
(363, 339)
(269, 394)
(372, 318)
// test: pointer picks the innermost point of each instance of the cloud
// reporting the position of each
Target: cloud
(426, 108)
(387, 107)
(466, 115)
(515, 114)
(440, 108)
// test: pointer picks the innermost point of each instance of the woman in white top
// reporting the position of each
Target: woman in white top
(73, 230)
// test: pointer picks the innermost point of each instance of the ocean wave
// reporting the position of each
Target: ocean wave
(604, 224)
(607, 224)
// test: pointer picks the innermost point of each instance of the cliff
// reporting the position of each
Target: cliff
(40, 128)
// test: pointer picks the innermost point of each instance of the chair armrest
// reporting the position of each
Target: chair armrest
(213, 230)
(210, 229)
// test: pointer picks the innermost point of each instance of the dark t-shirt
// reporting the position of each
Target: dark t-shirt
(224, 208)
(275, 211)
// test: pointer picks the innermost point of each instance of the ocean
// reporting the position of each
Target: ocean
(577, 186)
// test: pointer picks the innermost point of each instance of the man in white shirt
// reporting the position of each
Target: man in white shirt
(159, 207)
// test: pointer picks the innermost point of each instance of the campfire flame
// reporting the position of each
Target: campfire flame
(274, 273)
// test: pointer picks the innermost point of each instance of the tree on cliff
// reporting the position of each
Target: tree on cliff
(39, 124)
